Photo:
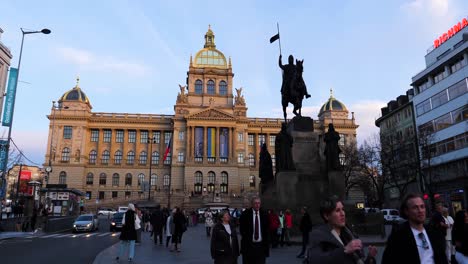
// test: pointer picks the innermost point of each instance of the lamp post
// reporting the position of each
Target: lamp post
(150, 141)
(24, 32)
(48, 169)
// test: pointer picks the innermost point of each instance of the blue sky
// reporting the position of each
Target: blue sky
(131, 55)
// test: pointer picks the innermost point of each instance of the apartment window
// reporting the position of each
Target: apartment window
(252, 181)
(67, 132)
(423, 107)
(105, 157)
(94, 135)
(458, 89)
(211, 181)
(143, 158)
(210, 87)
(144, 136)
(251, 140)
(130, 157)
(180, 157)
(131, 136)
(92, 157)
(66, 155)
(63, 177)
(439, 99)
(114, 194)
(240, 137)
(240, 158)
(107, 135)
(166, 181)
(155, 158)
(101, 195)
(181, 135)
(224, 182)
(198, 87)
(89, 178)
(115, 179)
(141, 179)
(198, 182)
(157, 137)
(128, 179)
(222, 88)
(272, 141)
(261, 139)
(167, 137)
(102, 179)
(168, 159)
(119, 136)
(439, 77)
(118, 157)
(251, 160)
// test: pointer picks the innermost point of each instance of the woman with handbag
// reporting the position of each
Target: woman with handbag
(128, 234)
(224, 242)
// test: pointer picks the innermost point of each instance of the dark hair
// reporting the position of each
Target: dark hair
(404, 203)
(328, 205)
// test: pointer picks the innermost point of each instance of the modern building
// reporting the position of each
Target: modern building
(5, 59)
(214, 146)
(399, 149)
(441, 108)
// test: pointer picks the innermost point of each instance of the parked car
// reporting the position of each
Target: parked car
(391, 215)
(86, 222)
(116, 222)
(106, 211)
(368, 210)
(122, 209)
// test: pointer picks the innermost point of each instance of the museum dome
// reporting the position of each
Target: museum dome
(75, 94)
(209, 56)
(332, 104)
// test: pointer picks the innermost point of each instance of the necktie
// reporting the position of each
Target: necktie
(421, 236)
(256, 236)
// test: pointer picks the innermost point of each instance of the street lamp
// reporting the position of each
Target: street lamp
(24, 32)
(48, 169)
(150, 141)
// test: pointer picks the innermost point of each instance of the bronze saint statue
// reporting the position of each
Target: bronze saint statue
(332, 150)
(283, 150)
(265, 170)
(293, 88)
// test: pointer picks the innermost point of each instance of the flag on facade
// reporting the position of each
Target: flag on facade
(274, 38)
(168, 149)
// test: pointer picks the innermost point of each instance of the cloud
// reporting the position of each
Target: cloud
(365, 113)
(87, 60)
(437, 8)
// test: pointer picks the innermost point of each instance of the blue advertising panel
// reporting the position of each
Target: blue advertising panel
(224, 142)
(199, 142)
(10, 98)
(3, 166)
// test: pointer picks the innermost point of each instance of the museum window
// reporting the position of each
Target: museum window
(118, 157)
(342, 140)
(198, 182)
(105, 157)
(224, 182)
(211, 181)
(168, 159)
(155, 158)
(144, 136)
(240, 137)
(128, 179)
(94, 135)
(167, 137)
(251, 160)
(62, 178)
(180, 157)
(252, 181)
(92, 157)
(141, 179)
(261, 139)
(131, 136)
(102, 179)
(240, 158)
(143, 158)
(166, 181)
(210, 87)
(89, 178)
(66, 155)
(198, 87)
(157, 137)
(130, 157)
(119, 136)
(114, 194)
(154, 181)
(272, 141)
(67, 132)
(107, 135)
(101, 195)
(273, 160)
(251, 140)
(115, 179)
(181, 135)
(127, 195)
(89, 195)
(222, 88)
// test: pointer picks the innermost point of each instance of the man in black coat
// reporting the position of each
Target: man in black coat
(305, 226)
(254, 231)
(157, 221)
(413, 242)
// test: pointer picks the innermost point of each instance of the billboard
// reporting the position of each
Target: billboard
(25, 177)
(198, 142)
(211, 138)
(224, 142)
(10, 98)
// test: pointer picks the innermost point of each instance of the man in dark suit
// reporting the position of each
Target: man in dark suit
(254, 231)
(413, 242)
(157, 221)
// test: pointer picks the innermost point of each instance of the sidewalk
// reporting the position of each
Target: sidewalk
(9, 235)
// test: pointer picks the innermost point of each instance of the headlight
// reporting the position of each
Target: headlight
(88, 225)
(74, 225)
(112, 223)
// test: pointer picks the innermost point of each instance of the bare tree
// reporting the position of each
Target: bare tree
(429, 180)
(350, 165)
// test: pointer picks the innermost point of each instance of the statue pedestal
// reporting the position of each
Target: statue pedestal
(336, 183)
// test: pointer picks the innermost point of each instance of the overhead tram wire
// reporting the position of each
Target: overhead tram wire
(22, 154)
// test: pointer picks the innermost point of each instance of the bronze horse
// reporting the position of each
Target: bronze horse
(295, 92)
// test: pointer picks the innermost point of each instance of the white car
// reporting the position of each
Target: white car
(86, 222)
(106, 211)
(391, 215)
(122, 209)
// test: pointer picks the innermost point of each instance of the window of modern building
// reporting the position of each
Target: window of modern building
(251, 139)
(261, 139)
(166, 181)
(105, 157)
(211, 181)
(143, 158)
(92, 157)
(62, 178)
(131, 136)
(94, 135)
(119, 136)
(460, 114)
(252, 181)
(439, 76)
(168, 159)
(460, 63)
(167, 137)
(89, 178)
(67, 132)
(180, 157)
(422, 87)
(423, 107)
(154, 181)
(65, 154)
(157, 137)
(458, 89)
(118, 157)
(210, 87)
(240, 137)
(141, 179)
(101, 195)
(224, 182)
(130, 157)
(198, 186)
(439, 99)
(102, 179)
(222, 88)
(144, 136)
(155, 158)
(240, 158)
(107, 135)
(443, 122)
(128, 179)
(115, 179)
(251, 160)
(272, 141)
(114, 194)
(181, 135)
(198, 87)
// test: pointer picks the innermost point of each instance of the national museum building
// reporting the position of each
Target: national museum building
(214, 146)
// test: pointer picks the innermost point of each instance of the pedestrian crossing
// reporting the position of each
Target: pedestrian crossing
(78, 235)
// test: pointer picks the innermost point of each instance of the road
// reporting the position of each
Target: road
(69, 248)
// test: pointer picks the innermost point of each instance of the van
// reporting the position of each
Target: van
(122, 209)
(391, 215)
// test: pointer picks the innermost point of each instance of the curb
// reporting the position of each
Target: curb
(100, 256)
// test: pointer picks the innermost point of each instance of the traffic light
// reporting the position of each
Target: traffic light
(426, 196)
